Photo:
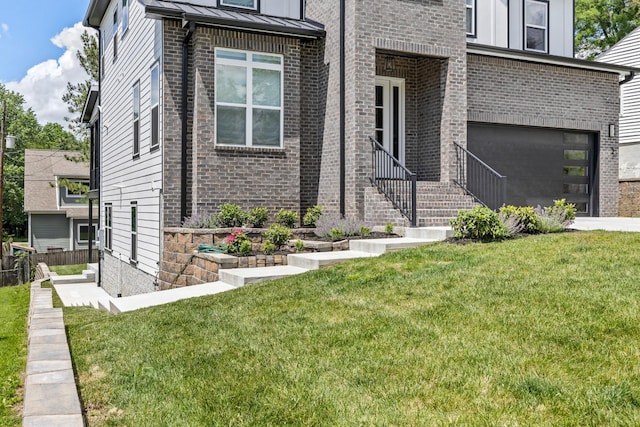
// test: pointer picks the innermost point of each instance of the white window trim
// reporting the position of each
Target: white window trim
(539, 27)
(133, 257)
(108, 227)
(125, 16)
(69, 195)
(154, 105)
(249, 64)
(472, 34)
(85, 224)
(255, 5)
(136, 120)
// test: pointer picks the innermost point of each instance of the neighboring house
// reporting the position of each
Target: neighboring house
(58, 216)
(275, 103)
(625, 52)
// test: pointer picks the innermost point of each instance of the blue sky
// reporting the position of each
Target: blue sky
(30, 62)
(26, 31)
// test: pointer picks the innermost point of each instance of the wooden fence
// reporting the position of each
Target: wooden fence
(14, 273)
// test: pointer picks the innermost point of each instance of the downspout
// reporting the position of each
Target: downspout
(342, 107)
(185, 110)
(627, 78)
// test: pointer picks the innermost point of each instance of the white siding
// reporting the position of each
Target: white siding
(625, 52)
(125, 179)
(491, 23)
(283, 8)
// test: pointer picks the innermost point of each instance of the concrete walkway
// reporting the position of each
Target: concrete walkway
(607, 224)
(50, 398)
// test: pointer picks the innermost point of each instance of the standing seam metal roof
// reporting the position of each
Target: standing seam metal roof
(231, 19)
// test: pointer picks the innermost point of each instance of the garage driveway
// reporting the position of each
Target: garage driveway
(609, 224)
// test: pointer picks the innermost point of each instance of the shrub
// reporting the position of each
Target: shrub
(200, 221)
(231, 216)
(479, 223)
(312, 216)
(511, 223)
(235, 241)
(337, 233)
(365, 231)
(299, 246)
(556, 218)
(258, 217)
(268, 248)
(245, 247)
(388, 228)
(526, 215)
(277, 234)
(327, 223)
(287, 218)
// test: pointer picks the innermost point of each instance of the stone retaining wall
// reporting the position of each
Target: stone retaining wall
(182, 265)
(629, 202)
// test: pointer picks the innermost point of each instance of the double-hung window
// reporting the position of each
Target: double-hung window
(134, 232)
(471, 18)
(136, 120)
(83, 233)
(108, 225)
(248, 99)
(125, 15)
(115, 34)
(155, 102)
(536, 25)
(244, 4)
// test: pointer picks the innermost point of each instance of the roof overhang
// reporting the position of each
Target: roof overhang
(223, 18)
(95, 13)
(540, 58)
(90, 104)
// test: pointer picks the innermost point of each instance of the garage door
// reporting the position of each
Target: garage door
(541, 165)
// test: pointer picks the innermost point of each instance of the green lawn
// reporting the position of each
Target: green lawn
(14, 307)
(65, 270)
(537, 331)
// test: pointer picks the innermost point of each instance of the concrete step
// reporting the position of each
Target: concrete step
(380, 246)
(69, 279)
(136, 302)
(238, 277)
(315, 260)
(82, 294)
(429, 233)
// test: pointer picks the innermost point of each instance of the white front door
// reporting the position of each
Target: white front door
(390, 125)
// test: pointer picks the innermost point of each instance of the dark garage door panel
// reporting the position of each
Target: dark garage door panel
(532, 159)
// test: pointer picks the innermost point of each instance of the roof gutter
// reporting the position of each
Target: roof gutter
(191, 26)
(628, 78)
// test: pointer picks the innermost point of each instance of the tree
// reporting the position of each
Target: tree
(23, 124)
(602, 23)
(76, 94)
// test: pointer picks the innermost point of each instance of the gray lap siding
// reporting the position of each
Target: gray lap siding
(216, 175)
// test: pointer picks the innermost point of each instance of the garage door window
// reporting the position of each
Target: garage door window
(576, 170)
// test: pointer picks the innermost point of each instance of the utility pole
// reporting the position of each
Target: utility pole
(2, 150)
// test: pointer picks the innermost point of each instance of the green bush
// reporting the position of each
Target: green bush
(245, 248)
(278, 235)
(287, 218)
(313, 214)
(479, 223)
(231, 216)
(337, 233)
(526, 216)
(268, 248)
(299, 246)
(365, 231)
(388, 228)
(236, 242)
(258, 217)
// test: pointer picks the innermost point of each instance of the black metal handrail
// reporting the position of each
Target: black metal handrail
(479, 180)
(394, 180)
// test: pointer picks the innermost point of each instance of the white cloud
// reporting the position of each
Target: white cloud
(5, 29)
(45, 83)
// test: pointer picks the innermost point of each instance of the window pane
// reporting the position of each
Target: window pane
(136, 102)
(469, 21)
(536, 13)
(575, 188)
(266, 87)
(231, 125)
(155, 85)
(231, 84)
(266, 127)
(575, 154)
(134, 219)
(379, 97)
(576, 138)
(251, 4)
(536, 39)
(231, 54)
(84, 233)
(267, 59)
(575, 170)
